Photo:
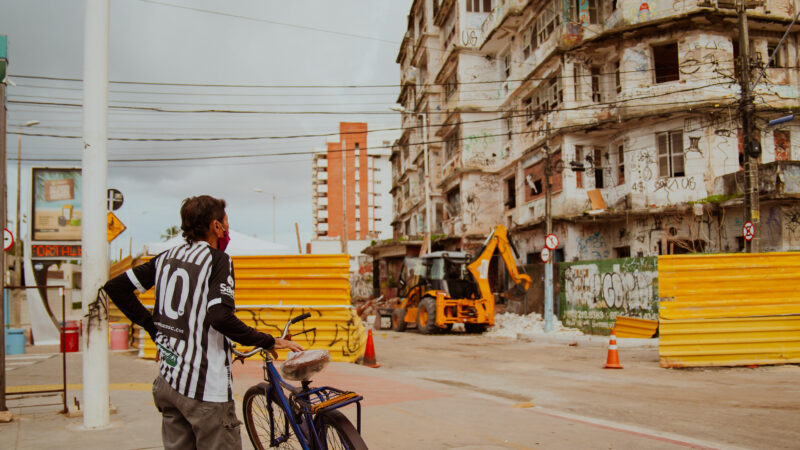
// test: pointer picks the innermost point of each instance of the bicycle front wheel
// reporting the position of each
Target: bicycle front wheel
(267, 423)
(339, 432)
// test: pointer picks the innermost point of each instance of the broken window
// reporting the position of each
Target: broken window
(527, 106)
(598, 168)
(509, 121)
(780, 59)
(617, 78)
(576, 77)
(596, 94)
(579, 159)
(451, 146)
(451, 85)
(670, 154)
(548, 20)
(665, 58)
(620, 164)
(511, 193)
(586, 11)
(479, 6)
(454, 202)
(507, 64)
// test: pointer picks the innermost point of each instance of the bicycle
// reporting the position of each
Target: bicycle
(308, 418)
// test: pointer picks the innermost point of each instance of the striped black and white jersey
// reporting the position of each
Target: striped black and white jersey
(195, 358)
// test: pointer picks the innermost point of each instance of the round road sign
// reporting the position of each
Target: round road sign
(8, 239)
(748, 231)
(114, 199)
(551, 241)
(545, 255)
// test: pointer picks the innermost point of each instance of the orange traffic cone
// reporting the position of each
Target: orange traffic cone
(613, 356)
(369, 354)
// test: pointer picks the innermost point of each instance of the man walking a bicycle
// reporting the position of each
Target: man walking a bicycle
(193, 324)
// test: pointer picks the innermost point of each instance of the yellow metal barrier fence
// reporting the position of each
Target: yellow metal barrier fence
(271, 289)
(729, 309)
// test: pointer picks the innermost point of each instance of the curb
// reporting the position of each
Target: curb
(586, 340)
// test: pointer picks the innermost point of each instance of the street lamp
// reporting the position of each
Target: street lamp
(403, 110)
(261, 191)
(18, 249)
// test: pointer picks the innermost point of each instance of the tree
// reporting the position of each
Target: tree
(171, 232)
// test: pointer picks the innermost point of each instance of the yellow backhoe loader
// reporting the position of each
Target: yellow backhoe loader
(443, 288)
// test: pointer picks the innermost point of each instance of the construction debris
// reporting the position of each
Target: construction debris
(509, 325)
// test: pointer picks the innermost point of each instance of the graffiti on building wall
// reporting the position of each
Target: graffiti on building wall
(594, 293)
(592, 246)
(638, 59)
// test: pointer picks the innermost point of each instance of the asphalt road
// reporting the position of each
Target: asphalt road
(463, 391)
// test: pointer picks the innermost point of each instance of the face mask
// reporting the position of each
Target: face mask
(222, 243)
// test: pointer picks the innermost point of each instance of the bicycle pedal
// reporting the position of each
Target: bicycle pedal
(343, 397)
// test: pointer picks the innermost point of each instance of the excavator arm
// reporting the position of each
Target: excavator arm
(497, 240)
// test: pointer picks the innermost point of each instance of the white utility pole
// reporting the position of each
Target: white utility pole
(16, 297)
(93, 223)
(548, 266)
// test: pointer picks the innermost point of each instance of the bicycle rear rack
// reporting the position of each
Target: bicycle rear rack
(326, 398)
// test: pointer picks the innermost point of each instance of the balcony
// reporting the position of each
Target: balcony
(776, 180)
(504, 9)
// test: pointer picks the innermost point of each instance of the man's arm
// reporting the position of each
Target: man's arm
(221, 306)
(120, 290)
(222, 318)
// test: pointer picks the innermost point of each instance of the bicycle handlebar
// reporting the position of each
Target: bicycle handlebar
(289, 323)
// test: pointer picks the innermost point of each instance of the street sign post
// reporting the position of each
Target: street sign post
(115, 227)
(545, 255)
(115, 199)
(748, 231)
(551, 241)
(8, 239)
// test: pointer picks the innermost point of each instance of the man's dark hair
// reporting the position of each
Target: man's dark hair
(197, 213)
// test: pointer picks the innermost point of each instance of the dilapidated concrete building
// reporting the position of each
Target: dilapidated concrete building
(636, 103)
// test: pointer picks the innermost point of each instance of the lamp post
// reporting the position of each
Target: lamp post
(402, 109)
(18, 244)
(261, 191)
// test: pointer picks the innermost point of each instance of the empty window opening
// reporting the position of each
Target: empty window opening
(598, 168)
(511, 193)
(665, 58)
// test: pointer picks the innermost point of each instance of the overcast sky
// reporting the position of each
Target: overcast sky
(254, 43)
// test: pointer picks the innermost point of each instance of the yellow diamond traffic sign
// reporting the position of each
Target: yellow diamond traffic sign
(113, 227)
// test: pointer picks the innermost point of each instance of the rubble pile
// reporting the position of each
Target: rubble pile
(509, 325)
(369, 307)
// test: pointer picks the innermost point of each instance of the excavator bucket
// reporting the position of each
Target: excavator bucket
(516, 293)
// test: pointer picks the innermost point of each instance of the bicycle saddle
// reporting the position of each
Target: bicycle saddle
(302, 366)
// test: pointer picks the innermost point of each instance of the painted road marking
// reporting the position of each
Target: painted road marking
(14, 362)
(78, 387)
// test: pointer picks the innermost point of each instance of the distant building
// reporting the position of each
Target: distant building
(363, 186)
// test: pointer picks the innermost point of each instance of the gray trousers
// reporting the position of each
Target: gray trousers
(192, 424)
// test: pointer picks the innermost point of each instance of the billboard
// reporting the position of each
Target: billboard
(56, 204)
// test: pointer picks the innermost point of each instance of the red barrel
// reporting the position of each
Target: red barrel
(69, 337)
(119, 336)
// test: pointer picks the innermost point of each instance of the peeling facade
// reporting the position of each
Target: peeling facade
(635, 100)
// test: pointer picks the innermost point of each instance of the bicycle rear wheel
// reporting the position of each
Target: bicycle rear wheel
(339, 432)
(267, 423)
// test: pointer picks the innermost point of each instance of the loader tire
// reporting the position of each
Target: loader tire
(475, 328)
(426, 316)
(398, 319)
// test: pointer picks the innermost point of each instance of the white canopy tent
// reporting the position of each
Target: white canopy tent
(240, 245)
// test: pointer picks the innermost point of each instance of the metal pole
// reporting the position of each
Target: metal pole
(63, 350)
(751, 207)
(344, 196)
(2, 249)
(93, 233)
(427, 182)
(548, 211)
